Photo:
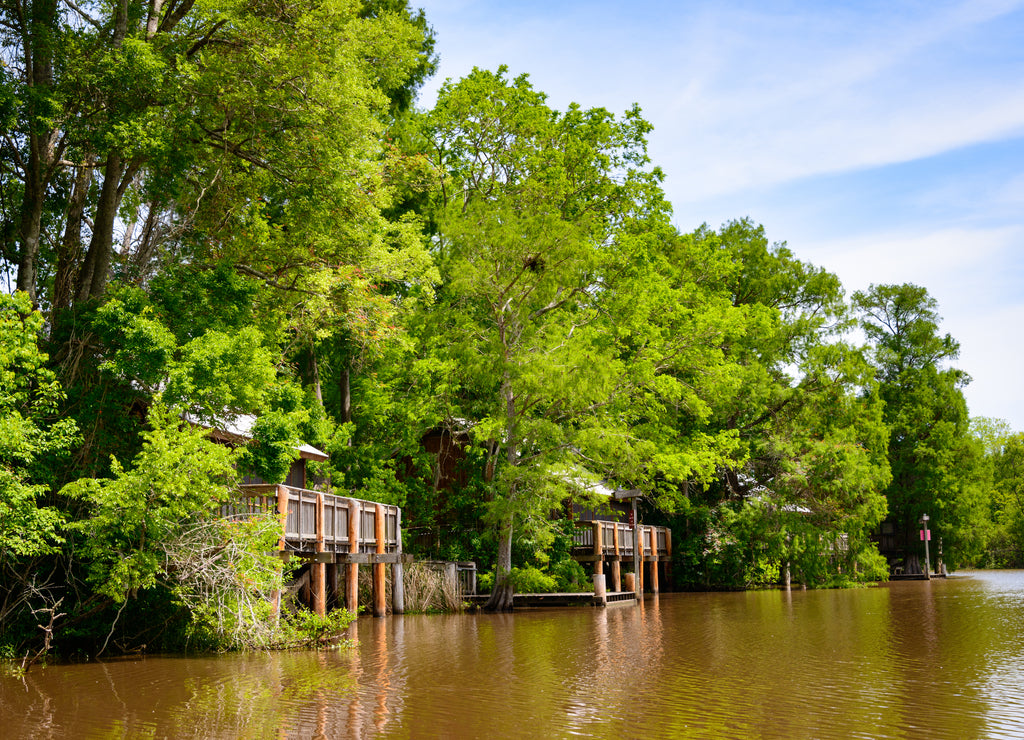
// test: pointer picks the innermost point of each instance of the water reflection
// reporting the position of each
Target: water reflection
(912, 659)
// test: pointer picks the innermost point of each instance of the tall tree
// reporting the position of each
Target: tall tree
(811, 463)
(931, 453)
(529, 203)
(227, 120)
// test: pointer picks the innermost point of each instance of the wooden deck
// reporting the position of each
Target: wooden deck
(608, 545)
(605, 540)
(529, 601)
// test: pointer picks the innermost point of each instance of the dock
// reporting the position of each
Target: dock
(532, 601)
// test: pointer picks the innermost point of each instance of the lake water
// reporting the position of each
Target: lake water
(913, 659)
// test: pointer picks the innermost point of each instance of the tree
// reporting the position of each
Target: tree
(931, 453)
(528, 205)
(809, 461)
(242, 128)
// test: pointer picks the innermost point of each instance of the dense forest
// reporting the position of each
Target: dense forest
(220, 211)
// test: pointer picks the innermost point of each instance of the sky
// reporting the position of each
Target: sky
(883, 141)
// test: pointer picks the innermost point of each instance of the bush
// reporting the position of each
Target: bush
(532, 580)
(570, 577)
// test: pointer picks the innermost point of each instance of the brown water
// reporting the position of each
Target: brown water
(939, 659)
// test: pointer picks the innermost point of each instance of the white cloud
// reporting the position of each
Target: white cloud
(945, 261)
(748, 96)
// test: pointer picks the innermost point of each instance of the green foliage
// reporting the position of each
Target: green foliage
(272, 450)
(934, 460)
(1007, 502)
(531, 580)
(30, 434)
(310, 629)
(178, 478)
(570, 577)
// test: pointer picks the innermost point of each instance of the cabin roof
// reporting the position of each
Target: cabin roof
(238, 430)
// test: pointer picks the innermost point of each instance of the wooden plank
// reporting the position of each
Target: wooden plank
(397, 570)
(318, 580)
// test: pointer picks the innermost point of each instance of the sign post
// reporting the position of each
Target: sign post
(926, 535)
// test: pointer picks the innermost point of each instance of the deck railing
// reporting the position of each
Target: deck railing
(317, 521)
(621, 535)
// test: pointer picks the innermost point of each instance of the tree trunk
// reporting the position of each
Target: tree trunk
(501, 595)
(92, 280)
(38, 46)
(345, 388)
(31, 219)
(70, 253)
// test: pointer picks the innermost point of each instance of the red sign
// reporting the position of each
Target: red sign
(926, 534)
(631, 522)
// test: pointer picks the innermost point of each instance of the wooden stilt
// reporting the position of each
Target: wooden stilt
(654, 562)
(598, 550)
(317, 575)
(379, 602)
(640, 570)
(398, 572)
(352, 569)
(282, 517)
(616, 570)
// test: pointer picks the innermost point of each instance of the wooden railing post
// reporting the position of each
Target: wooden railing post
(317, 579)
(640, 561)
(379, 603)
(654, 562)
(352, 569)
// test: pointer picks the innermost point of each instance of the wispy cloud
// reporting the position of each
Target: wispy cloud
(883, 140)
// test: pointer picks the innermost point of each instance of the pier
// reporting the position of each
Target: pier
(608, 544)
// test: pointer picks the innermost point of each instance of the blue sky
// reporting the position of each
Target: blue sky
(881, 140)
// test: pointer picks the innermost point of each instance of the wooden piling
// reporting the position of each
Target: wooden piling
(598, 550)
(282, 517)
(352, 569)
(317, 575)
(616, 569)
(640, 561)
(654, 562)
(398, 571)
(379, 603)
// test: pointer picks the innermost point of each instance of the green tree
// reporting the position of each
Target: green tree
(809, 464)
(931, 453)
(529, 202)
